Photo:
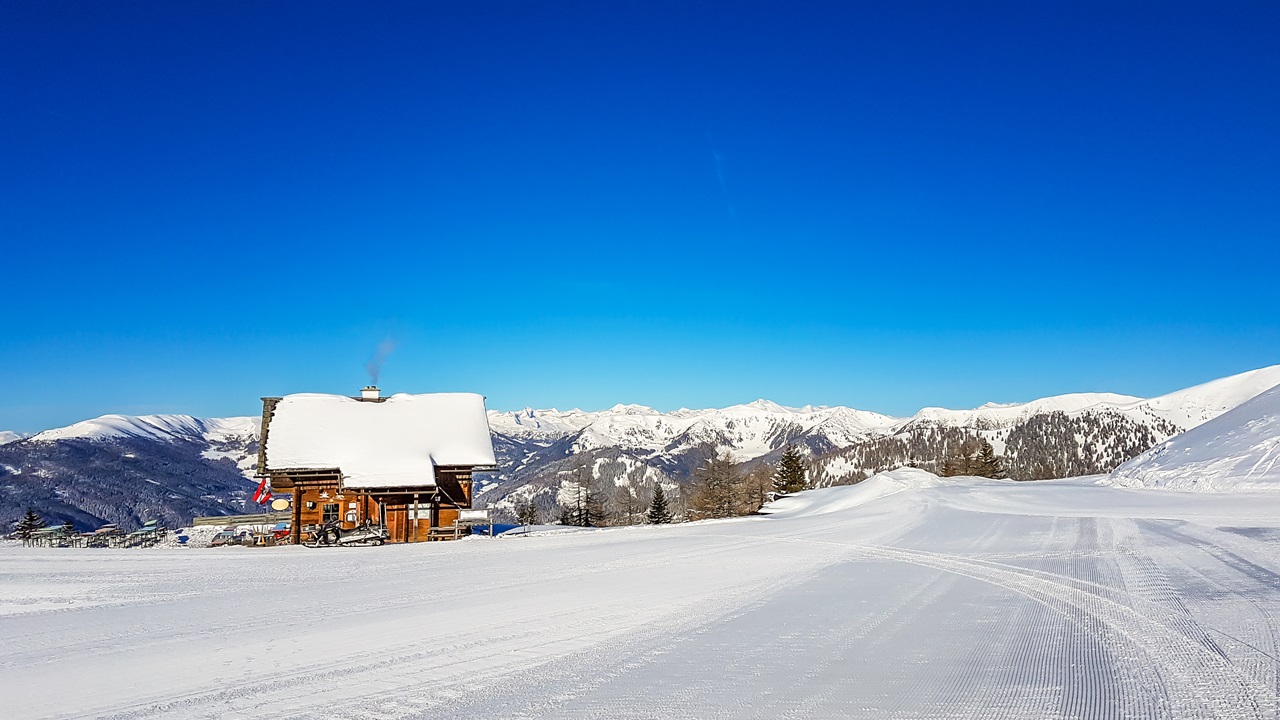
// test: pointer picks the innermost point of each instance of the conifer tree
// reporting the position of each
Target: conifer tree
(987, 463)
(526, 512)
(973, 456)
(659, 513)
(962, 458)
(68, 528)
(790, 476)
(28, 525)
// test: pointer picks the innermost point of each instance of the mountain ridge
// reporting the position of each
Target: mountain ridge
(629, 447)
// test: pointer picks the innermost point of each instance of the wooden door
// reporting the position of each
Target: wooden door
(397, 523)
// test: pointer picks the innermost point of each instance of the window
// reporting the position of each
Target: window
(330, 513)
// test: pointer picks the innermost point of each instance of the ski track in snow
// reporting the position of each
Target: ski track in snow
(972, 600)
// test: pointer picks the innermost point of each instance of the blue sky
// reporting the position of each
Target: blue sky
(698, 204)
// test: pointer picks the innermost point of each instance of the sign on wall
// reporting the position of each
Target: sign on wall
(479, 517)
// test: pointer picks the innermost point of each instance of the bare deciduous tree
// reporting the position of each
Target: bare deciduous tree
(718, 489)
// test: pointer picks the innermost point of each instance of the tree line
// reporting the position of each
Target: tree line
(721, 488)
(973, 456)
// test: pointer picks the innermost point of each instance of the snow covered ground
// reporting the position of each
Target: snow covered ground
(1239, 450)
(902, 597)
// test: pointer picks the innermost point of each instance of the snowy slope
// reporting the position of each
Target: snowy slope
(1183, 409)
(232, 438)
(1193, 406)
(1238, 450)
(942, 599)
(999, 415)
(8, 436)
(838, 499)
(155, 427)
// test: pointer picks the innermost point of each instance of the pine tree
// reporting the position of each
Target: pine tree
(68, 528)
(961, 460)
(526, 512)
(790, 476)
(659, 513)
(987, 463)
(28, 525)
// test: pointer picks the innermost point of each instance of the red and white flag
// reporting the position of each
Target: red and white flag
(263, 494)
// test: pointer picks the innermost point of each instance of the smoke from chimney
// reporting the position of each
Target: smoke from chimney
(374, 366)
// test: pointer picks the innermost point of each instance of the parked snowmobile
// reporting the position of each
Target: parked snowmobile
(331, 534)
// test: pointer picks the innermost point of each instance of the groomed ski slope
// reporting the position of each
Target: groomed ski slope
(902, 597)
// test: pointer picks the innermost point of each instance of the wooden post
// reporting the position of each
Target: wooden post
(295, 530)
(415, 518)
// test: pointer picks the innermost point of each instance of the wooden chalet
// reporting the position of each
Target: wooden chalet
(405, 461)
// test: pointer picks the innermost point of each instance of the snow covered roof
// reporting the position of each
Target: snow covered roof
(394, 443)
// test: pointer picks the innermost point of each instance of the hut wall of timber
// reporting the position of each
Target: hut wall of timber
(404, 461)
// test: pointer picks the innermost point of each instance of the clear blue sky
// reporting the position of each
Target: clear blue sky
(883, 206)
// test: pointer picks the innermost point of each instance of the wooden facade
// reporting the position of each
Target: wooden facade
(410, 514)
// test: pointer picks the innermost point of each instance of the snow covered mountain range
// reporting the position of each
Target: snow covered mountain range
(633, 446)
(126, 468)
(761, 427)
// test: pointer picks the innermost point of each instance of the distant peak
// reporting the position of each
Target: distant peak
(631, 409)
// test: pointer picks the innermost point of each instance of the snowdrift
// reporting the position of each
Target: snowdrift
(1237, 451)
(835, 499)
